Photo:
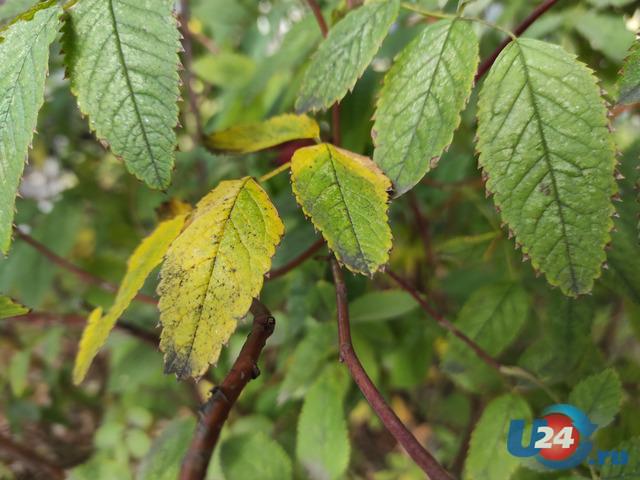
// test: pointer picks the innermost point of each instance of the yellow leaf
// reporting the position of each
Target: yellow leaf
(144, 259)
(212, 272)
(346, 196)
(258, 136)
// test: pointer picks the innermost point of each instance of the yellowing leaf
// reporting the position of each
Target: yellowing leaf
(143, 260)
(212, 272)
(9, 308)
(258, 136)
(345, 195)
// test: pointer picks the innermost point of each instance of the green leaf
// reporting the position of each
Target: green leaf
(254, 455)
(628, 471)
(605, 32)
(345, 54)
(307, 359)
(610, 3)
(421, 100)
(599, 397)
(143, 260)
(629, 81)
(163, 460)
(544, 142)
(122, 59)
(12, 8)
(322, 444)
(380, 306)
(24, 58)
(212, 272)
(493, 316)
(258, 136)
(9, 308)
(18, 372)
(488, 457)
(345, 195)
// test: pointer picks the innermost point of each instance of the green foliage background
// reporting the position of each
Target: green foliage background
(303, 417)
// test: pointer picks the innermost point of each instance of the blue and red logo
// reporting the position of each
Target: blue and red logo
(559, 440)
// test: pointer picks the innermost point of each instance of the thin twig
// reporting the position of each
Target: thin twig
(30, 457)
(300, 259)
(422, 225)
(42, 318)
(77, 271)
(486, 65)
(445, 323)
(215, 412)
(317, 12)
(388, 417)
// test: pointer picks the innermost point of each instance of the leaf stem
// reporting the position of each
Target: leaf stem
(486, 65)
(268, 176)
(388, 417)
(299, 260)
(216, 410)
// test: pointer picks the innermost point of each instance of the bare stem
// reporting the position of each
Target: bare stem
(388, 417)
(77, 271)
(215, 411)
(486, 65)
(300, 259)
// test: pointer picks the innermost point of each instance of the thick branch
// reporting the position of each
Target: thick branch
(28, 456)
(446, 324)
(299, 260)
(215, 412)
(486, 65)
(77, 271)
(388, 417)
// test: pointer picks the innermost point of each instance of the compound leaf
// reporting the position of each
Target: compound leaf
(488, 456)
(212, 272)
(598, 396)
(122, 59)
(345, 54)
(24, 58)
(144, 259)
(544, 143)
(258, 136)
(629, 82)
(421, 100)
(345, 195)
(9, 308)
(322, 443)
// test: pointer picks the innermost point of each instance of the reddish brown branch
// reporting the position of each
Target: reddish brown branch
(30, 457)
(317, 12)
(486, 65)
(422, 225)
(299, 260)
(446, 324)
(77, 271)
(388, 417)
(216, 410)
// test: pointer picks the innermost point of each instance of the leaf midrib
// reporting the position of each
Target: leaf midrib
(132, 95)
(546, 156)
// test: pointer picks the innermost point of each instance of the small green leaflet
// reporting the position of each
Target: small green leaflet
(345, 195)
(629, 470)
(9, 308)
(599, 397)
(24, 59)
(605, 32)
(122, 59)
(629, 82)
(488, 457)
(544, 142)
(163, 460)
(345, 54)
(254, 456)
(421, 100)
(322, 442)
